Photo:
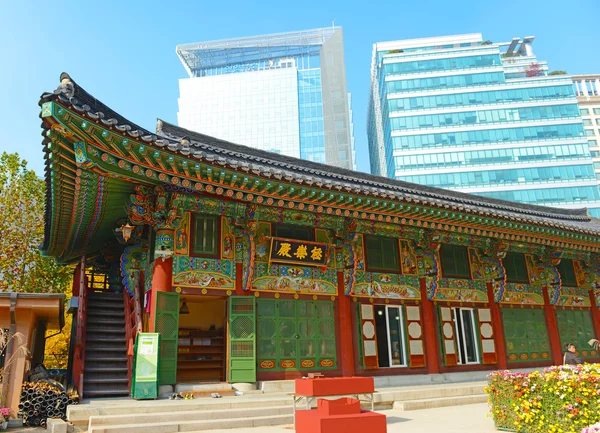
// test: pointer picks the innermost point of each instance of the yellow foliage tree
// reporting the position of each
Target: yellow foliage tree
(56, 354)
(23, 268)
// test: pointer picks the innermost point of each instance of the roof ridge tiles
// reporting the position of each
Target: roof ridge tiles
(171, 136)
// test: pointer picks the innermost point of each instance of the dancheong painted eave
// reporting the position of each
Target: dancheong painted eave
(95, 156)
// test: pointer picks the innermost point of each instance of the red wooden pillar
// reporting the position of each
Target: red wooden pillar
(161, 282)
(499, 341)
(553, 334)
(595, 314)
(346, 343)
(429, 327)
(239, 269)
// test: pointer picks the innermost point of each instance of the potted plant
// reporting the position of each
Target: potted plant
(4, 415)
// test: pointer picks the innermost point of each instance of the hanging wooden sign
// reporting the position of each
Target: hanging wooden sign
(298, 252)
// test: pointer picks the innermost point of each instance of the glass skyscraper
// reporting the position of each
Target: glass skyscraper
(471, 115)
(284, 93)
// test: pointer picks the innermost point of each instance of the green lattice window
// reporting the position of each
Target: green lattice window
(205, 235)
(526, 335)
(455, 261)
(576, 327)
(567, 273)
(382, 253)
(295, 335)
(292, 231)
(516, 269)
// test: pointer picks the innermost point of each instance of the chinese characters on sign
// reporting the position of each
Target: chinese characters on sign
(300, 252)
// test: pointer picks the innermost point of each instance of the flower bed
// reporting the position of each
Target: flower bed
(559, 400)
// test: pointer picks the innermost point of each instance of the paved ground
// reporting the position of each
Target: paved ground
(458, 419)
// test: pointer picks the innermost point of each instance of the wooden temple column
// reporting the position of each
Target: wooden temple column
(239, 269)
(595, 314)
(162, 278)
(552, 325)
(499, 342)
(429, 327)
(346, 343)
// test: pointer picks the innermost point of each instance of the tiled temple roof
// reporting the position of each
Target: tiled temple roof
(271, 165)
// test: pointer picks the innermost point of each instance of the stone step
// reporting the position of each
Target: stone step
(202, 387)
(101, 312)
(105, 295)
(120, 348)
(106, 358)
(103, 393)
(91, 320)
(81, 413)
(158, 416)
(387, 397)
(89, 369)
(431, 403)
(104, 338)
(194, 426)
(104, 377)
(105, 380)
(117, 330)
(396, 381)
(106, 303)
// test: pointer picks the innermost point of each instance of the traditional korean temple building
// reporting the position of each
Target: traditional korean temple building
(257, 266)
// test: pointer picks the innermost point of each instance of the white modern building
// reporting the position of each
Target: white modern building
(284, 93)
(587, 88)
(478, 116)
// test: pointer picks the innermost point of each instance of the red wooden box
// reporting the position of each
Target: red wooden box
(339, 416)
(341, 406)
(324, 386)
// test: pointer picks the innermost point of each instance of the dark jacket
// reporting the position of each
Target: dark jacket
(572, 358)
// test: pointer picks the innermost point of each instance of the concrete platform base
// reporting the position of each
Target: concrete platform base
(56, 425)
(212, 387)
(255, 408)
(434, 403)
(244, 387)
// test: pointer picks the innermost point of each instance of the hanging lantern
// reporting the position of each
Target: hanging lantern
(126, 230)
(184, 308)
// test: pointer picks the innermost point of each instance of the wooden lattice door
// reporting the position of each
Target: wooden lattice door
(242, 339)
(167, 325)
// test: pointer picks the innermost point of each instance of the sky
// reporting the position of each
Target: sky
(123, 52)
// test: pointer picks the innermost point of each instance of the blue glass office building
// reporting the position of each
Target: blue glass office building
(285, 93)
(476, 116)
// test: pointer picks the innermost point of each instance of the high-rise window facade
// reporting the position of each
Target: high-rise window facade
(284, 93)
(587, 89)
(475, 116)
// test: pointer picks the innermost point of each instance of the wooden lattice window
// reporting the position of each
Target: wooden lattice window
(526, 335)
(205, 235)
(567, 273)
(516, 269)
(455, 261)
(382, 254)
(292, 231)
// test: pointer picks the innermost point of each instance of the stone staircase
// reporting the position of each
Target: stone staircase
(165, 416)
(105, 369)
(250, 410)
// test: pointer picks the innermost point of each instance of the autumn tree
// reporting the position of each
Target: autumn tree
(23, 268)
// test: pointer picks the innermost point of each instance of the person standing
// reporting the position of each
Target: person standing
(570, 357)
